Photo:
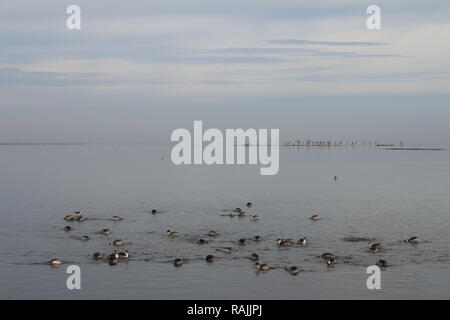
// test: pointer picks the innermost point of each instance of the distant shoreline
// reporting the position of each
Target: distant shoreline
(416, 149)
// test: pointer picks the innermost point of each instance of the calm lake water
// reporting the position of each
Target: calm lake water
(383, 195)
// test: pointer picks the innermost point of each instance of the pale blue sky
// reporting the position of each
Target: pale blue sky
(139, 69)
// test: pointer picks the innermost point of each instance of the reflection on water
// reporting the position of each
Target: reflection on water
(382, 196)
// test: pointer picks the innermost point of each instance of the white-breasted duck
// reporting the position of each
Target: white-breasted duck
(227, 250)
(177, 262)
(262, 267)
(97, 256)
(374, 247)
(116, 243)
(331, 261)
(413, 240)
(172, 234)
(123, 255)
(294, 270)
(55, 262)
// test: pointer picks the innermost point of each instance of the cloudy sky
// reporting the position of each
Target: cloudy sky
(139, 69)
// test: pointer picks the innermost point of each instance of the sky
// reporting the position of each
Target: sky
(137, 70)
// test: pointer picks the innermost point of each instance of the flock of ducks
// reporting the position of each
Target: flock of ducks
(115, 257)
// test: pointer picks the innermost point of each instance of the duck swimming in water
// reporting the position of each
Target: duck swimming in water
(97, 256)
(328, 256)
(241, 242)
(68, 228)
(315, 217)
(85, 238)
(113, 261)
(80, 219)
(227, 250)
(254, 257)
(105, 232)
(285, 242)
(293, 270)
(123, 255)
(331, 261)
(302, 241)
(172, 234)
(55, 262)
(254, 217)
(69, 218)
(116, 243)
(413, 240)
(114, 255)
(382, 263)
(116, 218)
(177, 262)
(257, 238)
(212, 234)
(76, 213)
(237, 210)
(262, 267)
(154, 211)
(202, 241)
(241, 214)
(374, 247)
(249, 204)
(209, 258)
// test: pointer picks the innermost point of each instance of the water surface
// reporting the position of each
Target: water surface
(382, 195)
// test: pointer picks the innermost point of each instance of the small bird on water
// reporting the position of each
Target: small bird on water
(382, 263)
(254, 257)
(413, 240)
(55, 262)
(177, 262)
(262, 267)
(293, 270)
(172, 234)
(116, 243)
(97, 256)
(374, 247)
